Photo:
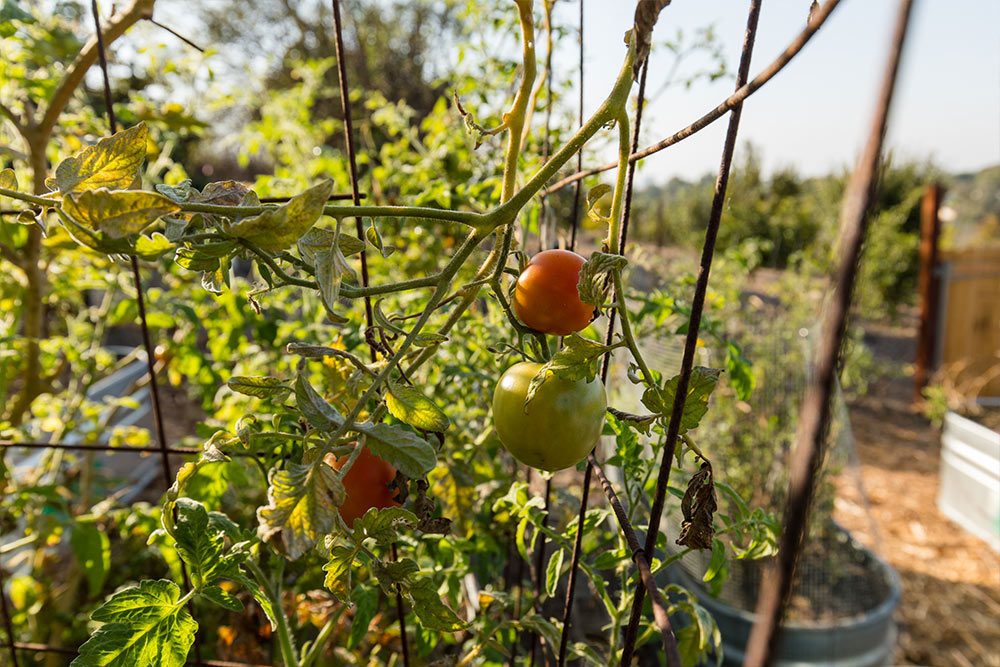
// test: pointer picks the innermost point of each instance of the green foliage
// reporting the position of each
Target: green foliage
(144, 625)
(259, 309)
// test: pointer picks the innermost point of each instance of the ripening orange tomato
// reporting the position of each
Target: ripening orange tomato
(366, 484)
(546, 298)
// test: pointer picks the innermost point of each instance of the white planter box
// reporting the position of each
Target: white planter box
(970, 477)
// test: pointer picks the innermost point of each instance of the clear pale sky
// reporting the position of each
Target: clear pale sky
(814, 115)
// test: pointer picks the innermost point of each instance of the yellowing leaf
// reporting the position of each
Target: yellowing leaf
(113, 163)
(410, 406)
(279, 227)
(117, 213)
(303, 501)
(338, 572)
(8, 181)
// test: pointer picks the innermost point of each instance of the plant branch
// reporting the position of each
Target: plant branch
(138, 10)
(730, 103)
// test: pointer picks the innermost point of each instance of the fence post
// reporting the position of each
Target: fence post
(930, 229)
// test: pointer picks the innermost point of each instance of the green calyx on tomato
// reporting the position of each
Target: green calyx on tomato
(366, 484)
(560, 425)
(546, 297)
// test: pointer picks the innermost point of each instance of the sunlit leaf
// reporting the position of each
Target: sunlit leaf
(8, 180)
(302, 506)
(593, 285)
(279, 227)
(144, 625)
(222, 598)
(321, 415)
(553, 571)
(433, 613)
(199, 546)
(338, 571)
(113, 163)
(152, 247)
(373, 236)
(408, 405)
(117, 213)
(264, 386)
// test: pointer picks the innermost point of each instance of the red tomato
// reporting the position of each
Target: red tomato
(366, 484)
(546, 299)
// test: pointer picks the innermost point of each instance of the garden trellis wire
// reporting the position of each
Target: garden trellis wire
(814, 413)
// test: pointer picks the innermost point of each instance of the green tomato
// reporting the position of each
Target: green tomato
(560, 425)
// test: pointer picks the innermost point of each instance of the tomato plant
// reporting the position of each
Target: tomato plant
(555, 428)
(306, 365)
(546, 297)
(366, 485)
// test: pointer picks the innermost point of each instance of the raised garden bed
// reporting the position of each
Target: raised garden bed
(970, 477)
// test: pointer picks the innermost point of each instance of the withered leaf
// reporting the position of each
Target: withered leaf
(698, 506)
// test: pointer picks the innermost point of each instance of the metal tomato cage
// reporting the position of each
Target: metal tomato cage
(814, 412)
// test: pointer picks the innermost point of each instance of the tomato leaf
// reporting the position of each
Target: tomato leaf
(144, 625)
(577, 360)
(8, 180)
(331, 268)
(371, 233)
(259, 596)
(412, 407)
(593, 285)
(432, 612)
(553, 571)
(224, 193)
(365, 601)
(380, 524)
(279, 227)
(317, 239)
(153, 247)
(222, 598)
(117, 213)
(740, 371)
(302, 506)
(198, 545)
(179, 193)
(541, 626)
(321, 415)
(698, 508)
(113, 163)
(700, 388)
(259, 386)
(93, 552)
(338, 571)
(392, 573)
(192, 260)
(594, 196)
(718, 561)
(405, 450)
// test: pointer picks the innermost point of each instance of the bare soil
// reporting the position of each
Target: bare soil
(950, 609)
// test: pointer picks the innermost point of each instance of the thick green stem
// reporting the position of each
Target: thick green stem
(627, 330)
(468, 218)
(618, 199)
(273, 592)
